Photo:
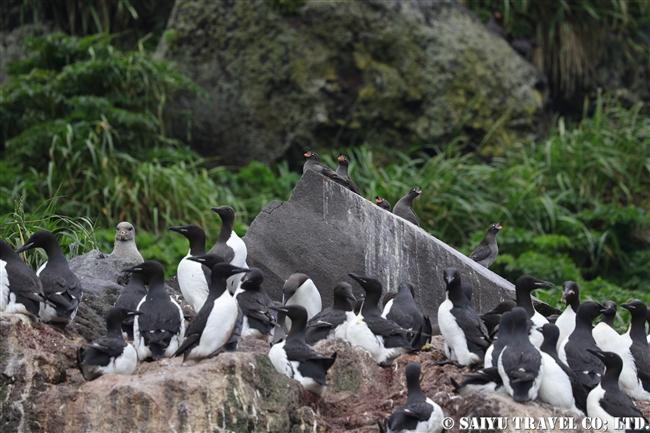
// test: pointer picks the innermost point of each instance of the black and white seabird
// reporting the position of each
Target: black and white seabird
(313, 163)
(230, 246)
(567, 320)
(299, 289)
(342, 170)
(560, 386)
(523, 287)
(213, 326)
(607, 401)
(502, 338)
(635, 353)
(21, 290)
(158, 332)
(333, 322)
(62, 288)
(382, 203)
(492, 317)
(486, 252)
(193, 277)
(403, 311)
(404, 207)
(573, 350)
(606, 337)
(383, 339)
(110, 354)
(419, 413)
(520, 363)
(464, 332)
(125, 248)
(295, 359)
(485, 379)
(129, 299)
(259, 319)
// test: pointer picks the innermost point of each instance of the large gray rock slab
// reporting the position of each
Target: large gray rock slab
(326, 232)
(392, 73)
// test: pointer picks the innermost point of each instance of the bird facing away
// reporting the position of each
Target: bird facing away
(124, 247)
(62, 288)
(259, 319)
(560, 385)
(403, 310)
(193, 277)
(299, 289)
(214, 324)
(21, 290)
(342, 170)
(110, 354)
(382, 203)
(129, 299)
(492, 317)
(295, 359)
(404, 206)
(158, 332)
(464, 332)
(486, 252)
(332, 322)
(520, 363)
(419, 413)
(574, 350)
(229, 245)
(383, 339)
(606, 401)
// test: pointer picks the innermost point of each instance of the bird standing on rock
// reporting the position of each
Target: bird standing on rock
(21, 290)
(404, 207)
(129, 299)
(332, 322)
(230, 246)
(419, 413)
(486, 252)
(313, 163)
(382, 203)
(125, 248)
(193, 277)
(403, 310)
(383, 339)
(464, 332)
(215, 324)
(259, 319)
(295, 359)
(158, 332)
(62, 288)
(342, 170)
(110, 354)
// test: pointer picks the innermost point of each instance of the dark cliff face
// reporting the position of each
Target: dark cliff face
(390, 73)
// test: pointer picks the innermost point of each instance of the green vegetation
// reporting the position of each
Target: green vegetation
(573, 33)
(86, 135)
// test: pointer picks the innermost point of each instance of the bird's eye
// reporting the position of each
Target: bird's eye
(130, 228)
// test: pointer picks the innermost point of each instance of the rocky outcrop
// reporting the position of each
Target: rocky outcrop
(326, 232)
(42, 390)
(392, 73)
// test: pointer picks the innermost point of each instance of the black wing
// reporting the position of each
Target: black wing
(394, 335)
(407, 417)
(316, 368)
(476, 334)
(103, 349)
(481, 252)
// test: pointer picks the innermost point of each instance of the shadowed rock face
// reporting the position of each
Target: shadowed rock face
(325, 231)
(391, 73)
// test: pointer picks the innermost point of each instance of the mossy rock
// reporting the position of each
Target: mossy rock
(393, 74)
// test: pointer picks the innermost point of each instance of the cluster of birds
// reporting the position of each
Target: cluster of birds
(567, 364)
(562, 360)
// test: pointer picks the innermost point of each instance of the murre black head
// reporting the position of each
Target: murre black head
(225, 270)
(225, 212)
(451, 275)
(187, 230)
(208, 260)
(636, 308)
(529, 283)
(148, 268)
(369, 284)
(40, 239)
(343, 290)
(255, 278)
(570, 289)
(589, 310)
(610, 359)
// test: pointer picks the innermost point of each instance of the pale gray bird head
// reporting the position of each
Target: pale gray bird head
(124, 232)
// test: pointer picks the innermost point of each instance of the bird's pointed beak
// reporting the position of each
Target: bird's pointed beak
(24, 247)
(544, 284)
(132, 269)
(357, 278)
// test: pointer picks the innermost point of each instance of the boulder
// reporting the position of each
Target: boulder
(390, 73)
(326, 232)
